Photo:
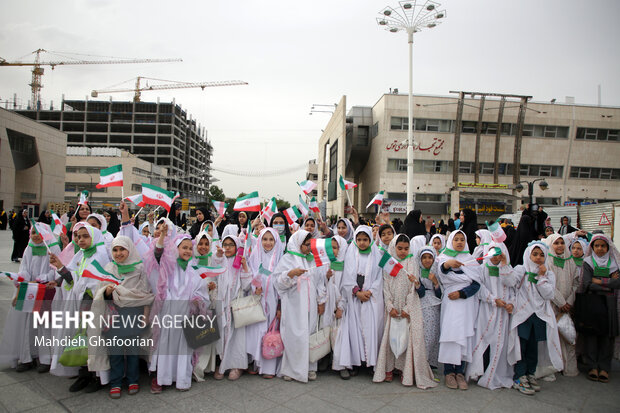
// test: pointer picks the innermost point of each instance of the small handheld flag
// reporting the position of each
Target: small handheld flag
(209, 272)
(314, 206)
(497, 232)
(57, 226)
(269, 210)
(136, 200)
(220, 207)
(96, 271)
(154, 195)
(43, 230)
(83, 198)
(13, 276)
(303, 207)
(30, 297)
(112, 176)
(344, 184)
(250, 202)
(307, 186)
(322, 251)
(390, 265)
(376, 200)
(292, 214)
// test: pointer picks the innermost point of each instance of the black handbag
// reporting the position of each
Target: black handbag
(590, 314)
(201, 331)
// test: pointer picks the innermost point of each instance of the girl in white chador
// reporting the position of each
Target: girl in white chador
(402, 300)
(493, 323)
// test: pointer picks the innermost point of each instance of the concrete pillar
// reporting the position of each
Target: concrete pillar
(454, 202)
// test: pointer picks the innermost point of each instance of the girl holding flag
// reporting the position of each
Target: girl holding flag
(263, 262)
(401, 293)
(18, 335)
(76, 293)
(179, 292)
(362, 283)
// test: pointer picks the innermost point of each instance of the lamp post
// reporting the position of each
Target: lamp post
(530, 187)
(411, 17)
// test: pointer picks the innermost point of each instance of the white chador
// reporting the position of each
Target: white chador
(176, 292)
(361, 328)
(493, 324)
(263, 264)
(431, 304)
(534, 298)
(458, 317)
(18, 337)
(233, 283)
(69, 297)
(103, 227)
(298, 297)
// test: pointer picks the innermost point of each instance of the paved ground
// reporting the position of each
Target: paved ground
(35, 392)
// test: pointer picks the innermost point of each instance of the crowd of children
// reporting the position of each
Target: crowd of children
(439, 302)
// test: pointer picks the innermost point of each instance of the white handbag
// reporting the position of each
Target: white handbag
(319, 343)
(247, 310)
(399, 335)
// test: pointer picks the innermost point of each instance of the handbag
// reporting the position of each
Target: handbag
(566, 328)
(200, 331)
(76, 353)
(272, 347)
(590, 314)
(399, 335)
(319, 343)
(247, 310)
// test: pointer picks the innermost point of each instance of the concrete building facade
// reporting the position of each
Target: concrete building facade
(32, 163)
(82, 173)
(574, 148)
(161, 133)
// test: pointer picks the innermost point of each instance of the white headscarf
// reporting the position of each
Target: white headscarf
(291, 261)
(582, 242)
(529, 265)
(471, 271)
(102, 221)
(612, 252)
(441, 237)
(315, 233)
(495, 244)
(349, 235)
(172, 229)
(342, 247)
(417, 243)
(268, 259)
(202, 234)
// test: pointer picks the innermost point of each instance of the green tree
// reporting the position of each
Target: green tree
(216, 193)
(282, 204)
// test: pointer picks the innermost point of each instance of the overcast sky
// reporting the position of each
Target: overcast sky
(294, 54)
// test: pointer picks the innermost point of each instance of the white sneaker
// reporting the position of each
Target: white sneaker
(287, 378)
(531, 379)
(312, 375)
(550, 377)
(522, 385)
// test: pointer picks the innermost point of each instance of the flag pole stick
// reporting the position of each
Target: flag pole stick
(347, 192)
(137, 213)
(123, 191)
(42, 239)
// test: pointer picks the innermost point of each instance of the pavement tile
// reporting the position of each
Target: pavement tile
(310, 404)
(201, 403)
(23, 396)
(234, 395)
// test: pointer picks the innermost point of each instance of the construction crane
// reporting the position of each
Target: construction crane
(37, 69)
(138, 89)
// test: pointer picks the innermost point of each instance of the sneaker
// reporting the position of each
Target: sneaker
(22, 367)
(133, 389)
(234, 374)
(43, 368)
(451, 381)
(79, 384)
(94, 385)
(523, 386)
(531, 380)
(312, 375)
(155, 388)
(344, 374)
(435, 375)
(550, 377)
(287, 378)
(461, 382)
(115, 393)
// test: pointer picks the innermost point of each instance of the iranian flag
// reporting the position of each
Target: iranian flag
(322, 251)
(292, 214)
(306, 186)
(344, 184)
(43, 230)
(112, 176)
(13, 276)
(376, 200)
(497, 232)
(270, 209)
(250, 202)
(303, 207)
(96, 271)
(57, 227)
(83, 198)
(136, 200)
(209, 272)
(154, 195)
(314, 206)
(30, 297)
(220, 207)
(389, 264)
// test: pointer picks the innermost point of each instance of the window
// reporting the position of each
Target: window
(397, 165)
(430, 197)
(136, 187)
(487, 168)
(581, 172)
(469, 126)
(398, 123)
(362, 135)
(597, 134)
(333, 162)
(466, 167)
(374, 131)
(545, 131)
(542, 170)
(397, 196)
(547, 201)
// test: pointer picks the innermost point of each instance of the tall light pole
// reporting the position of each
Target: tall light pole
(411, 17)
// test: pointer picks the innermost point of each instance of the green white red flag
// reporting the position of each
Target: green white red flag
(136, 200)
(322, 251)
(376, 200)
(390, 264)
(292, 214)
(303, 207)
(314, 206)
(209, 272)
(83, 198)
(95, 271)
(307, 186)
(250, 202)
(154, 195)
(344, 184)
(112, 176)
(30, 297)
(43, 230)
(220, 207)
(269, 210)
(13, 276)
(57, 226)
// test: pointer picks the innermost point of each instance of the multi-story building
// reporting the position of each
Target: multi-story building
(574, 148)
(311, 175)
(82, 173)
(160, 133)
(32, 163)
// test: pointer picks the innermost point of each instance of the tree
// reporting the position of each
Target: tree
(216, 193)
(282, 204)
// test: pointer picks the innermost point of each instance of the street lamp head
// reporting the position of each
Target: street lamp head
(440, 15)
(431, 25)
(430, 7)
(543, 185)
(387, 12)
(407, 6)
(381, 23)
(519, 187)
(393, 30)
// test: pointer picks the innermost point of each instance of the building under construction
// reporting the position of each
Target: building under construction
(161, 133)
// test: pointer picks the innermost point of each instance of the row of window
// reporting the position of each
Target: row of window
(488, 128)
(594, 173)
(593, 134)
(486, 168)
(80, 186)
